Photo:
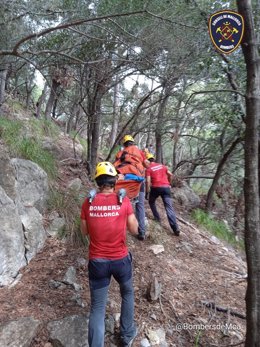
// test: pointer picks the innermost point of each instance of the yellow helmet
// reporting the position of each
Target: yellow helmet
(149, 156)
(128, 138)
(105, 168)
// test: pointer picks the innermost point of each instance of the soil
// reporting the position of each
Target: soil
(193, 270)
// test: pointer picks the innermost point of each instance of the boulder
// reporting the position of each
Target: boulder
(19, 332)
(186, 197)
(23, 197)
(70, 331)
(7, 173)
(75, 184)
(34, 232)
(12, 250)
(31, 184)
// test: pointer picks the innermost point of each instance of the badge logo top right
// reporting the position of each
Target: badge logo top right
(226, 29)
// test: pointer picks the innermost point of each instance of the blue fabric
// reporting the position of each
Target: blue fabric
(140, 211)
(100, 272)
(134, 177)
(165, 194)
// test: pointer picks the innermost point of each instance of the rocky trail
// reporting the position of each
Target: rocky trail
(179, 292)
(189, 290)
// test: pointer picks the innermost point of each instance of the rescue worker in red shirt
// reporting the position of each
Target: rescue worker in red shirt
(158, 181)
(105, 220)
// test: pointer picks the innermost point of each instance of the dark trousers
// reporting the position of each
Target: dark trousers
(140, 211)
(100, 273)
(165, 194)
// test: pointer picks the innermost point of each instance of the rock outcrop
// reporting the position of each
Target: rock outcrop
(23, 196)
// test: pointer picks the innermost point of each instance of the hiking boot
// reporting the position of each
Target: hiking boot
(141, 237)
(131, 341)
(176, 232)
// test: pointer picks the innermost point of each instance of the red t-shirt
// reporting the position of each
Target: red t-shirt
(158, 174)
(106, 223)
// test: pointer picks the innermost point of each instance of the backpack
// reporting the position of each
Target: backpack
(121, 193)
(129, 160)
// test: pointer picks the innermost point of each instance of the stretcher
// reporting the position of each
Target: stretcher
(132, 188)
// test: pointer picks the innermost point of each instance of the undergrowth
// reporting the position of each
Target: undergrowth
(216, 227)
(68, 204)
(76, 137)
(44, 127)
(13, 132)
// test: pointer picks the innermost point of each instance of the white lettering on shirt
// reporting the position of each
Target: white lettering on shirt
(156, 168)
(103, 215)
(93, 211)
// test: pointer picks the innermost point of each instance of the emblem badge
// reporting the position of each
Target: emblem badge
(226, 29)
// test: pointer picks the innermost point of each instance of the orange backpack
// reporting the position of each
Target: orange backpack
(129, 160)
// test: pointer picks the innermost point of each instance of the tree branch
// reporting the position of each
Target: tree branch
(214, 91)
(63, 26)
(172, 22)
(213, 306)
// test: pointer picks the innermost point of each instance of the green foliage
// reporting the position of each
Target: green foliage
(29, 148)
(37, 91)
(76, 137)
(9, 131)
(197, 338)
(67, 204)
(15, 105)
(45, 127)
(216, 227)
(200, 186)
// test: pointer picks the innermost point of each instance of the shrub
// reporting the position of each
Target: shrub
(216, 227)
(44, 127)
(68, 204)
(28, 148)
(31, 149)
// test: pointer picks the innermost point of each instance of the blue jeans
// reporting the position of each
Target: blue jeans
(140, 211)
(100, 272)
(165, 194)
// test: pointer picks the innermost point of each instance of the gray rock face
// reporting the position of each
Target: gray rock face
(69, 332)
(75, 184)
(186, 196)
(7, 180)
(31, 184)
(11, 240)
(18, 333)
(23, 196)
(34, 232)
(57, 224)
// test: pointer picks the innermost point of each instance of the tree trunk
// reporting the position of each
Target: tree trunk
(52, 97)
(40, 102)
(218, 173)
(29, 86)
(115, 113)
(158, 129)
(239, 212)
(251, 183)
(3, 74)
(95, 134)
(149, 134)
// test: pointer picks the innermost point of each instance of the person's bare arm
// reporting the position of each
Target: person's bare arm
(170, 176)
(83, 227)
(146, 163)
(132, 224)
(148, 184)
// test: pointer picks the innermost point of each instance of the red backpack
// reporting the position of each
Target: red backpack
(129, 160)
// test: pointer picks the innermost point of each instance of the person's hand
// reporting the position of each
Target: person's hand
(121, 177)
(147, 196)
